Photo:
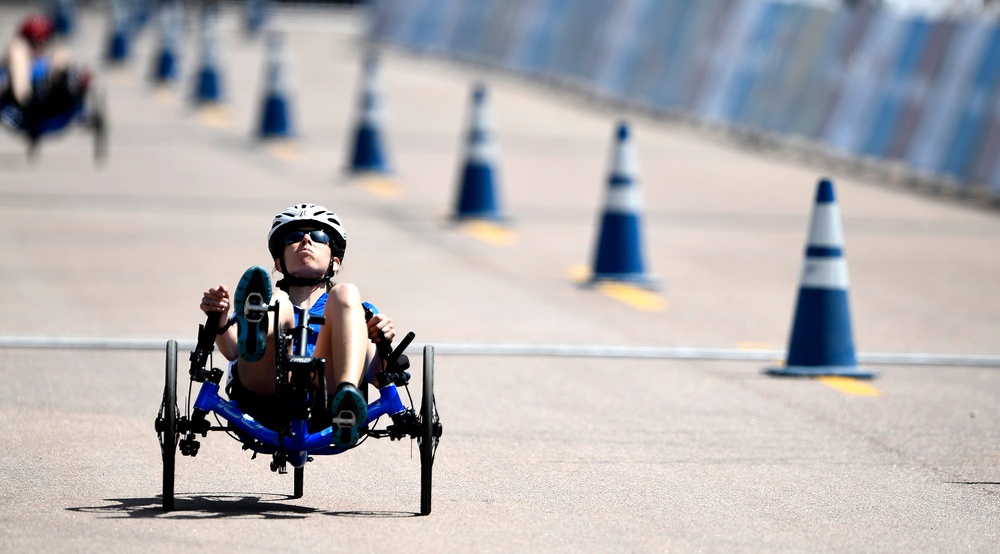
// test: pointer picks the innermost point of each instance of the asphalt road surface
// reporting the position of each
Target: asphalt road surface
(539, 453)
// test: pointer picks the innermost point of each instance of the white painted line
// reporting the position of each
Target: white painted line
(553, 350)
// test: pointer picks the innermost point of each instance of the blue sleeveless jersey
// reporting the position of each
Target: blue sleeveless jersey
(316, 310)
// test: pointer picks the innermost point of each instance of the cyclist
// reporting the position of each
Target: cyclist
(36, 84)
(307, 243)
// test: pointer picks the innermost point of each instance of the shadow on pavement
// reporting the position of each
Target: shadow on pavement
(221, 505)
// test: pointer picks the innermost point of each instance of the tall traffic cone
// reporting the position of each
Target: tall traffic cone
(822, 343)
(63, 17)
(274, 115)
(165, 63)
(367, 152)
(208, 84)
(257, 12)
(141, 12)
(619, 245)
(118, 41)
(478, 187)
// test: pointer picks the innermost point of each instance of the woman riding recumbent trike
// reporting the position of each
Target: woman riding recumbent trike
(304, 426)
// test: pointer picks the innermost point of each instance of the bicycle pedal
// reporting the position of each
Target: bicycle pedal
(189, 447)
(254, 309)
(345, 420)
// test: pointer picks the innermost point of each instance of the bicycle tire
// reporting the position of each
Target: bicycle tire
(168, 432)
(427, 441)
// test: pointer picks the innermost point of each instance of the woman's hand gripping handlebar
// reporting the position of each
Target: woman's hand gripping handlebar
(396, 363)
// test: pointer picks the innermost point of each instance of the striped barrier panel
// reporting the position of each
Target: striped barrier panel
(722, 72)
(899, 78)
(863, 82)
(914, 95)
(665, 71)
(502, 21)
(430, 23)
(945, 96)
(718, 21)
(810, 107)
(972, 120)
(846, 54)
(582, 33)
(989, 152)
(808, 42)
(801, 41)
(621, 46)
(544, 25)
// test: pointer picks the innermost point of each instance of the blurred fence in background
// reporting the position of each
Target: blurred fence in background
(864, 84)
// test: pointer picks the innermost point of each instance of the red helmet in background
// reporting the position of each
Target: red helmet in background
(36, 29)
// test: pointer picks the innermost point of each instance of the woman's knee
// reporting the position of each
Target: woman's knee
(344, 295)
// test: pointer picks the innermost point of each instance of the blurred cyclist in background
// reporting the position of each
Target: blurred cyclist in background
(38, 82)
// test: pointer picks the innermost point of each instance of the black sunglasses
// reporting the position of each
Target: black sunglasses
(317, 236)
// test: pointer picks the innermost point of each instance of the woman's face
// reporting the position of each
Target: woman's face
(307, 258)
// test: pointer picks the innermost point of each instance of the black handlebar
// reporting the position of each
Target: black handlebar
(205, 346)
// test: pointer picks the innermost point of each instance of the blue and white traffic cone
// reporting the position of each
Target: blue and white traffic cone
(822, 343)
(208, 83)
(275, 120)
(165, 64)
(367, 152)
(141, 12)
(120, 37)
(479, 183)
(257, 12)
(63, 17)
(619, 254)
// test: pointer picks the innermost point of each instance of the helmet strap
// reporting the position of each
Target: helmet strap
(292, 281)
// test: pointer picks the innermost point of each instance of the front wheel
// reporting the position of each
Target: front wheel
(430, 431)
(166, 426)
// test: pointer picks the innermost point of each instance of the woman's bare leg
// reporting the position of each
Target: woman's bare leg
(344, 338)
(258, 376)
(18, 57)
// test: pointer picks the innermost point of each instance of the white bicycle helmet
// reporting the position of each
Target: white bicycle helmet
(306, 215)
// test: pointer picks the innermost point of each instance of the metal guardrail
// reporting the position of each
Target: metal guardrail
(542, 350)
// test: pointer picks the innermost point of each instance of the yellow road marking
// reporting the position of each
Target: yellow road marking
(849, 385)
(215, 116)
(490, 232)
(578, 273)
(166, 96)
(634, 296)
(381, 186)
(286, 151)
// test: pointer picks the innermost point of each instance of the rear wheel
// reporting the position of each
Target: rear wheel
(98, 123)
(166, 426)
(429, 431)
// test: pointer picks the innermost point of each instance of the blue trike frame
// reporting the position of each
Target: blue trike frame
(293, 443)
(90, 114)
